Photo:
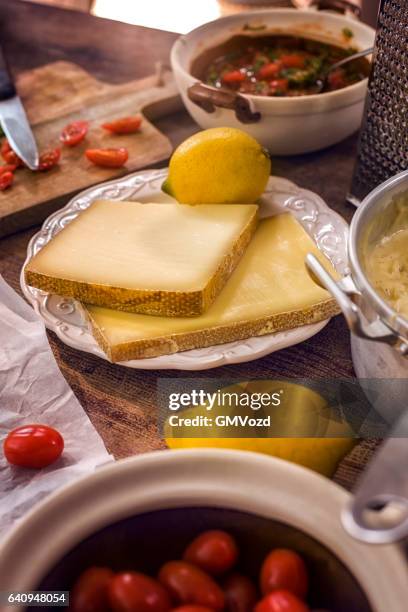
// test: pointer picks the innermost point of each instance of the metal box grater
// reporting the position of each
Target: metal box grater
(383, 143)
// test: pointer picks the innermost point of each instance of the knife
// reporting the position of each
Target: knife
(13, 119)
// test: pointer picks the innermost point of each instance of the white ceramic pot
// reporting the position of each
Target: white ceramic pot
(287, 126)
(142, 511)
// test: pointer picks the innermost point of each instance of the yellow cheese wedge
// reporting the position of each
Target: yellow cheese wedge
(160, 259)
(269, 291)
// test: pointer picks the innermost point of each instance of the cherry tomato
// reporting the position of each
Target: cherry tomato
(279, 85)
(7, 168)
(213, 551)
(74, 133)
(284, 569)
(9, 156)
(109, 158)
(192, 608)
(233, 76)
(188, 584)
(49, 159)
(293, 61)
(281, 601)
(269, 71)
(6, 180)
(130, 591)
(240, 593)
(336, 79)
(33, 446)
(90, 591)
(126, 125)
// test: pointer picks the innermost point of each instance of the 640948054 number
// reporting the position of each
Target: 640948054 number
(35, 598)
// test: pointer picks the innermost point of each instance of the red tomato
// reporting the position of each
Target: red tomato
(192, 608)
(213, 551)
(233, 76)
(293, 61)
(131, 591)
(336, 79)
(284, 569)
(49, 159)
(90, 591)
(74, 133)
(281, 601)
(280, 85)
(9, 156)
(33, 446)
(188, 584)
(240, 593)
(269, 71)
(126, 125)
(109, 158)
(7, 168)
(6, 180)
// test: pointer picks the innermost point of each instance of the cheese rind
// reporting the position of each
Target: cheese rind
(269, 291)
(158, 259)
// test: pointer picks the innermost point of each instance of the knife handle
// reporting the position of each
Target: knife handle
(7, 89)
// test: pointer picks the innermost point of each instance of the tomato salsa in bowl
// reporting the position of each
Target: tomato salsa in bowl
(255, 71)
(278, 65)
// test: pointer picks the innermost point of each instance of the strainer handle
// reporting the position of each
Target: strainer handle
(378, 512)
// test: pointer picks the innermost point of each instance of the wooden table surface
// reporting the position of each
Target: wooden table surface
(122, 402)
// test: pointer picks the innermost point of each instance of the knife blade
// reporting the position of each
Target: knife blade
(13, 119)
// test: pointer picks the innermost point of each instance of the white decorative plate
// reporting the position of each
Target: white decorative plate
(65, 316)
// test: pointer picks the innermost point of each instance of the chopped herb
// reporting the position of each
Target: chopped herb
(347, 33)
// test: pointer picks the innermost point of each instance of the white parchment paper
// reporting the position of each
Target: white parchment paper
(33, 390)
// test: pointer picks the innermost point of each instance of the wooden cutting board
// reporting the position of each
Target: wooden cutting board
(59, 93)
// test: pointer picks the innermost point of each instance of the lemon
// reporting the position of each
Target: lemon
(319, 454)
(218, 166)
(303, 410)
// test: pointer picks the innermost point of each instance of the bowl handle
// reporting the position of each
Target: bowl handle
(209, 98)
(347, 296)
(344, 6)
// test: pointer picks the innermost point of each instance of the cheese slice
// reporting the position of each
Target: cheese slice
(269, 291)
(160, 259)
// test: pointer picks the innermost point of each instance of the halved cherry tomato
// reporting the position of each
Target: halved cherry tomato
(284, 569)
(213, 551)
(233, 76)
(126, 125)
(74, 133)
(293, 61)
(336, 79)
(109, 158)
(269, 71)
(281, 601)
(6, 180)
(9, 156)
(192, 608)
(90, 591)
(188, 584)
(131, 591)
(33, 446)
(240, 593)
(49, 159)
(279, 85)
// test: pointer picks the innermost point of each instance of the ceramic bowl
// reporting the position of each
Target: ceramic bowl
(140, 512)
(287, 126)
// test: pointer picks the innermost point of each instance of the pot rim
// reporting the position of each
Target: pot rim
(391, 317)
(199, 477)
(357, 90)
